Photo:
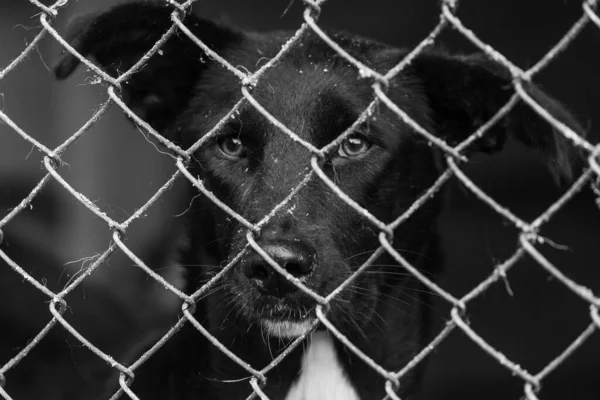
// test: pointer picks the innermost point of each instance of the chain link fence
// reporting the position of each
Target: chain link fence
(529, 238)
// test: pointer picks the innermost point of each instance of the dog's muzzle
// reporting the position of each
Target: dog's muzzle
(296, 257)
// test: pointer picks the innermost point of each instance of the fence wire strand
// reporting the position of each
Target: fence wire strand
(528, 237)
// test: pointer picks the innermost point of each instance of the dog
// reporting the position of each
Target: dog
(251, 166)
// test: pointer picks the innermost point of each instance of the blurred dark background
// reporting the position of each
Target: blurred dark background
(116, 168)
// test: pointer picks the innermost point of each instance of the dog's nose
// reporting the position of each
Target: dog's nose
(297, 258)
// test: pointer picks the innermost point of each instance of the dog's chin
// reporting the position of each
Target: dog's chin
(286, 329)
(281, 318)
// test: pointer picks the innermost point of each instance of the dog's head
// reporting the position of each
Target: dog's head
(251, 165)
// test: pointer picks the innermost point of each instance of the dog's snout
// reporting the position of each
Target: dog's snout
(296, 258)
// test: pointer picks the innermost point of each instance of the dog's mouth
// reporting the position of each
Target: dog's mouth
(270, 301)
(286, 319)
(287, 328)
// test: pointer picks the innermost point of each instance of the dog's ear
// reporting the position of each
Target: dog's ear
(118, 38)
(464, 92)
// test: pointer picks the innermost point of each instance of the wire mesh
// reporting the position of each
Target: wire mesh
(528, 238)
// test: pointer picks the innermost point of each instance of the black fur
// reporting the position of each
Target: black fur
(317, 94)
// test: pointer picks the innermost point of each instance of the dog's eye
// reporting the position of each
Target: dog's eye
(232, 147)
(353, 146)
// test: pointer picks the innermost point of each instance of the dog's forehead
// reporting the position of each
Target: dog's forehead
(300, 93)
(311, 90)
(315, 100)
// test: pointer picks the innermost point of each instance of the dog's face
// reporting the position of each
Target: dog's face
(252, 166)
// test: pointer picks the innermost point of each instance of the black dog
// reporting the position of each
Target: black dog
(251, 166)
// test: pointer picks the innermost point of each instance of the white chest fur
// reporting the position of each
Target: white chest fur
(322, 376)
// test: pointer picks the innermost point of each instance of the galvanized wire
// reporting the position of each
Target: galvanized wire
(528, 237)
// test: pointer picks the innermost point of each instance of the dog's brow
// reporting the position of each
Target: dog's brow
(246, 124)
(331, 115)
(334, 113)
